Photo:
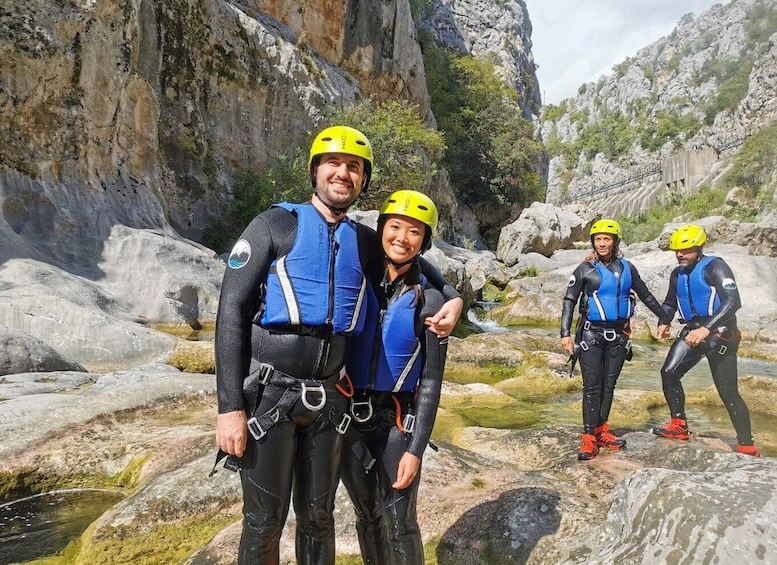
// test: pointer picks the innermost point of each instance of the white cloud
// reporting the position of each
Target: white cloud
(576, 42)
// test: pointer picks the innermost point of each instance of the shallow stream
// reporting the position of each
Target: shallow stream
(643, 373)
(43, 525)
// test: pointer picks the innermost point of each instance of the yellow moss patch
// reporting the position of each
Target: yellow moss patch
(630, 406)
(759, 393)
(446, 423)
(161, 544)
(536, 380)
(130, 476)
(194, 357)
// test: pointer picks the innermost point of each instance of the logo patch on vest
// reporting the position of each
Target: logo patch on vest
(572, 281)
(240, 254)
(729, 284)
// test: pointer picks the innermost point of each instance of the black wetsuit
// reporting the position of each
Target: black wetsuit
(387, 523)
(302, 451)
(720, 347)
(602, 345)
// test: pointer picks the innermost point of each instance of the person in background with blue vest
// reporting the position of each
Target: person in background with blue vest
(703, 289)
(603, 285)
(291, 298)
(396, 368)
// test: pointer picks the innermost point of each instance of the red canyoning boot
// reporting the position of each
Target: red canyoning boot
(748, 450)
(588, 449)
(604, 438)
(677, 429)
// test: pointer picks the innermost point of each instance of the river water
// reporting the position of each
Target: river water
(43, 525)
(643, 373)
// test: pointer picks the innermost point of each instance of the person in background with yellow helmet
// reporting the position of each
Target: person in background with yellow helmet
(703, 289)
(396, 367)
(291, 298)
(603, 285)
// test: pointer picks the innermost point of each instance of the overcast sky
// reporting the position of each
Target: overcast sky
(577, 41)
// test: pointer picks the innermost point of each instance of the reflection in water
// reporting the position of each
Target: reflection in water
(42, 525)
(204, 332)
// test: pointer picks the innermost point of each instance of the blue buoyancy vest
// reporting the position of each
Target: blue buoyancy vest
(386, 357)
(320, 282)
(695, 297)
(612, 300)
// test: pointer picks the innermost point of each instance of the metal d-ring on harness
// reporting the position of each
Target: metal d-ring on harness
(295, 389)
(319, 388)
(356, 410)
(363, 411)
(608, 334)
(304, 390)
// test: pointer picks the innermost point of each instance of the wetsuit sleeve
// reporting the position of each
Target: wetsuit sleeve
(647, 298)
(669, 305)
(719, 275)
(574, 288)
(435, 278)
(240, 300)
(434, 350)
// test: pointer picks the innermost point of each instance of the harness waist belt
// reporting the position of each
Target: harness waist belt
(319, 332)
(604, 325)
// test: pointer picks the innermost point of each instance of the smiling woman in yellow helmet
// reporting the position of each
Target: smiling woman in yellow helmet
(603, 284)
(703, 288)
(396, 367)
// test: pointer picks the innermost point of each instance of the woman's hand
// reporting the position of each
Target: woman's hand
(568, 344)
(443, 322)
(407, 471)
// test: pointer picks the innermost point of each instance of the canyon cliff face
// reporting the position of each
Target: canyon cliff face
(146, 109)
(702, 90)
(123, 125)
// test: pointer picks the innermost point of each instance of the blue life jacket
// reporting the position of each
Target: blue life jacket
(320, 282)
(694, 296)
(612, 300)
(386, 357)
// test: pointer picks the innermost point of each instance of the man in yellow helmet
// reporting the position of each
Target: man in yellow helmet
(703, 289)
(291, 297)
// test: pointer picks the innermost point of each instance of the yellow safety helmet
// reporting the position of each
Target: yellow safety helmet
(687, 236)
(606, 226)
(412, 204)
(342, 139)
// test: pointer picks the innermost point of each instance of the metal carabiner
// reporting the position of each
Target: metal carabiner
(355, 410)
(319, 388)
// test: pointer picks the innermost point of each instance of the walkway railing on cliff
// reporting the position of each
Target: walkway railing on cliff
(638, 179)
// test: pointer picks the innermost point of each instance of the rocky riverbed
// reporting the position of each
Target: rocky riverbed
(489, 495)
